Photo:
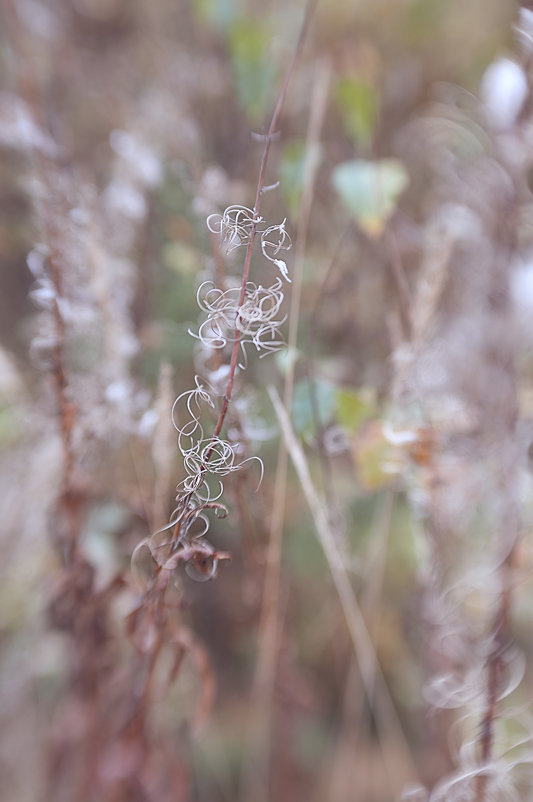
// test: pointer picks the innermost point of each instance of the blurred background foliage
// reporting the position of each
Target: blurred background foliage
(149, 108)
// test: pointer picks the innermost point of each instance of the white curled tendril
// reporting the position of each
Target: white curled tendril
(249, 317)
(234, 226)
(196, 398)
(205, 460)
(221, 308)
(255, 321)
(273, 240)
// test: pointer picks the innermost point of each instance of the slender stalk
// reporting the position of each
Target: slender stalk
(269, 625)
(495, 669)
(257, 206)
(371, 674)
(68, 500)
(400, 279)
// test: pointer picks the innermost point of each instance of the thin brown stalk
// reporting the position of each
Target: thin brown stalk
(267, 649)
(324, 460)
(500, 639)
(162, 448)
(257, 206)
(400, 279)
(269, 627)
(310, 7)
(68, 501)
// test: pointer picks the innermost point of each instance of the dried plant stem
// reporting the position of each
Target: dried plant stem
(353, 699)
(494, 670)
(67, 506)
(324, 459)
(400, 279)
(68, 501)
(254, 221)
(504, 420)
(270, 613)
(162, 448)
(257, 206)
(371, 673)
(267, 651)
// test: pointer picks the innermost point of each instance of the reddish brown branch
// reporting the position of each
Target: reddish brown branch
(495, 669)
(49, 214)
(257, 205)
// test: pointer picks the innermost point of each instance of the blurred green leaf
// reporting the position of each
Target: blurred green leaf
(376, 460)
(354, 406)
(370, 190)
(291, 174)
(253, 71)
(358, 104)
(181, 258)
(286, 358)
(303, 413)
(220, 14)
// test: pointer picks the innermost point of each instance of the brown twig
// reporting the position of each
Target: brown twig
(500, 642)
(270, 609)
(400, 279)
(257, 206)
(68, 501)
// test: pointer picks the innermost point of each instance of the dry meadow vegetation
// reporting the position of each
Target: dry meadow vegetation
(266, 401)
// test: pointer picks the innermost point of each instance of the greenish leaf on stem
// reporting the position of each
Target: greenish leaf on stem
(311, 401)
(253, 71)
(358, 103)
(292, 173)
(370, 190)
(355, 406)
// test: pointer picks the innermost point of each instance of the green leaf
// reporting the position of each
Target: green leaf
(253, 70)
(303, 413)
(358, 104)
(376, 460)
(291, 174)
(370, 190)
(355, 406)
(181, 258)
(221, 14)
